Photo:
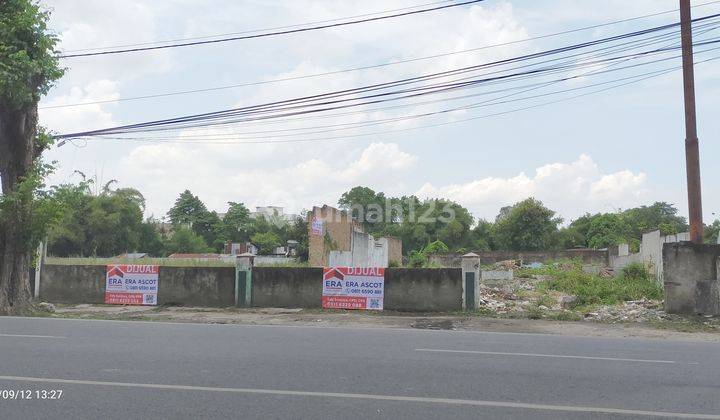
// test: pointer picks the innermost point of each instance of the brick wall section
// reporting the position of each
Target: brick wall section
(394, 251)
(337, 227)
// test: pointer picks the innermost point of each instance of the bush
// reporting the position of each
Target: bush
(632, 284)
(416, 259)
(635, 272)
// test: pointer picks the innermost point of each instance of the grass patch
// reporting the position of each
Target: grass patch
(564, 316)
(165, 262)
(295, 264)
(534, 312)
(689, 325)
(633, 283)
(545, 300)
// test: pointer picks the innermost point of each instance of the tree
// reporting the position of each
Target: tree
(28, 68)
(266, 242)
(659, 215)
(711, 232)
(298, 231)
(528, 226)
(191, 212)
(186, 241)
(188, 209)
(606, 230)
(151, 241)
(482, 236)
(576, 234)
(237, 223)
(104, 225)
(367, 207)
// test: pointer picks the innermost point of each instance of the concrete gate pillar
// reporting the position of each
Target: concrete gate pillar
(243, 279)
(470, 281)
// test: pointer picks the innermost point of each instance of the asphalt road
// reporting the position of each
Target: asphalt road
(123, 369)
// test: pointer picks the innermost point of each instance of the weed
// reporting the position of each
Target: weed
(564, 316)
(632, 284)
(534, 312)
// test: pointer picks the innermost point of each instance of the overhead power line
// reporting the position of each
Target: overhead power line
(644, 77)
(267, 34)
(483, 104)
(368, 67)
(250, 31)
(327, 98)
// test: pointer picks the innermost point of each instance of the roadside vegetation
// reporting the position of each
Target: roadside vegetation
(634, 282)
(569, 291)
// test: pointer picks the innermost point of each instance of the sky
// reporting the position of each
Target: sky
(598, 153)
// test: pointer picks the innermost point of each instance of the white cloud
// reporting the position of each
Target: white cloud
(569, 188)
(164, 170)
(71, 119)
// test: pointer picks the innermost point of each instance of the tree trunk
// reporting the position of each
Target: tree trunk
(18, 151)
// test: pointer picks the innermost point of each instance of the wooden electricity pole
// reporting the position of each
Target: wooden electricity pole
(692, 152)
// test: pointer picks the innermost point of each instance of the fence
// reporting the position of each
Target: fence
(291, 287)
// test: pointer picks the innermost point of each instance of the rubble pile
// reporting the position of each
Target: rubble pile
(501, 300)
(643, 310)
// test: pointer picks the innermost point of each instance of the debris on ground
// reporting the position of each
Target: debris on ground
(45, 307)
(507, 265)
(643, 310)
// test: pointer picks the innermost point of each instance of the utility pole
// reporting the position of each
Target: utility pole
(692, 151)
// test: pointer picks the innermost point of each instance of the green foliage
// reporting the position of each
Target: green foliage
(528, 226)
(482, 236)
(266, 242)
(165, 262)
(237, 224)
(298, 231)
(104, 225)
(416, 222)
(366, 206)
(31, 206)
(606, 229)
(417, 259)
(150, 239)
(191, 212)
(436, 247)
(635, 272)
(711, 232)
(633, 284)
(659, 215)
(185, 241)
(28, 60)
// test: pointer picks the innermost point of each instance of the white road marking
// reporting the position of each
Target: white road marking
(376, 397)
(559, 356)
(30, 336)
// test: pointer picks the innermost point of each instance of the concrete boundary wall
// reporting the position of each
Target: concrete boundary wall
(691, 278)
(423, 289)
(406, 289)
(286, 287)
(191, 286)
